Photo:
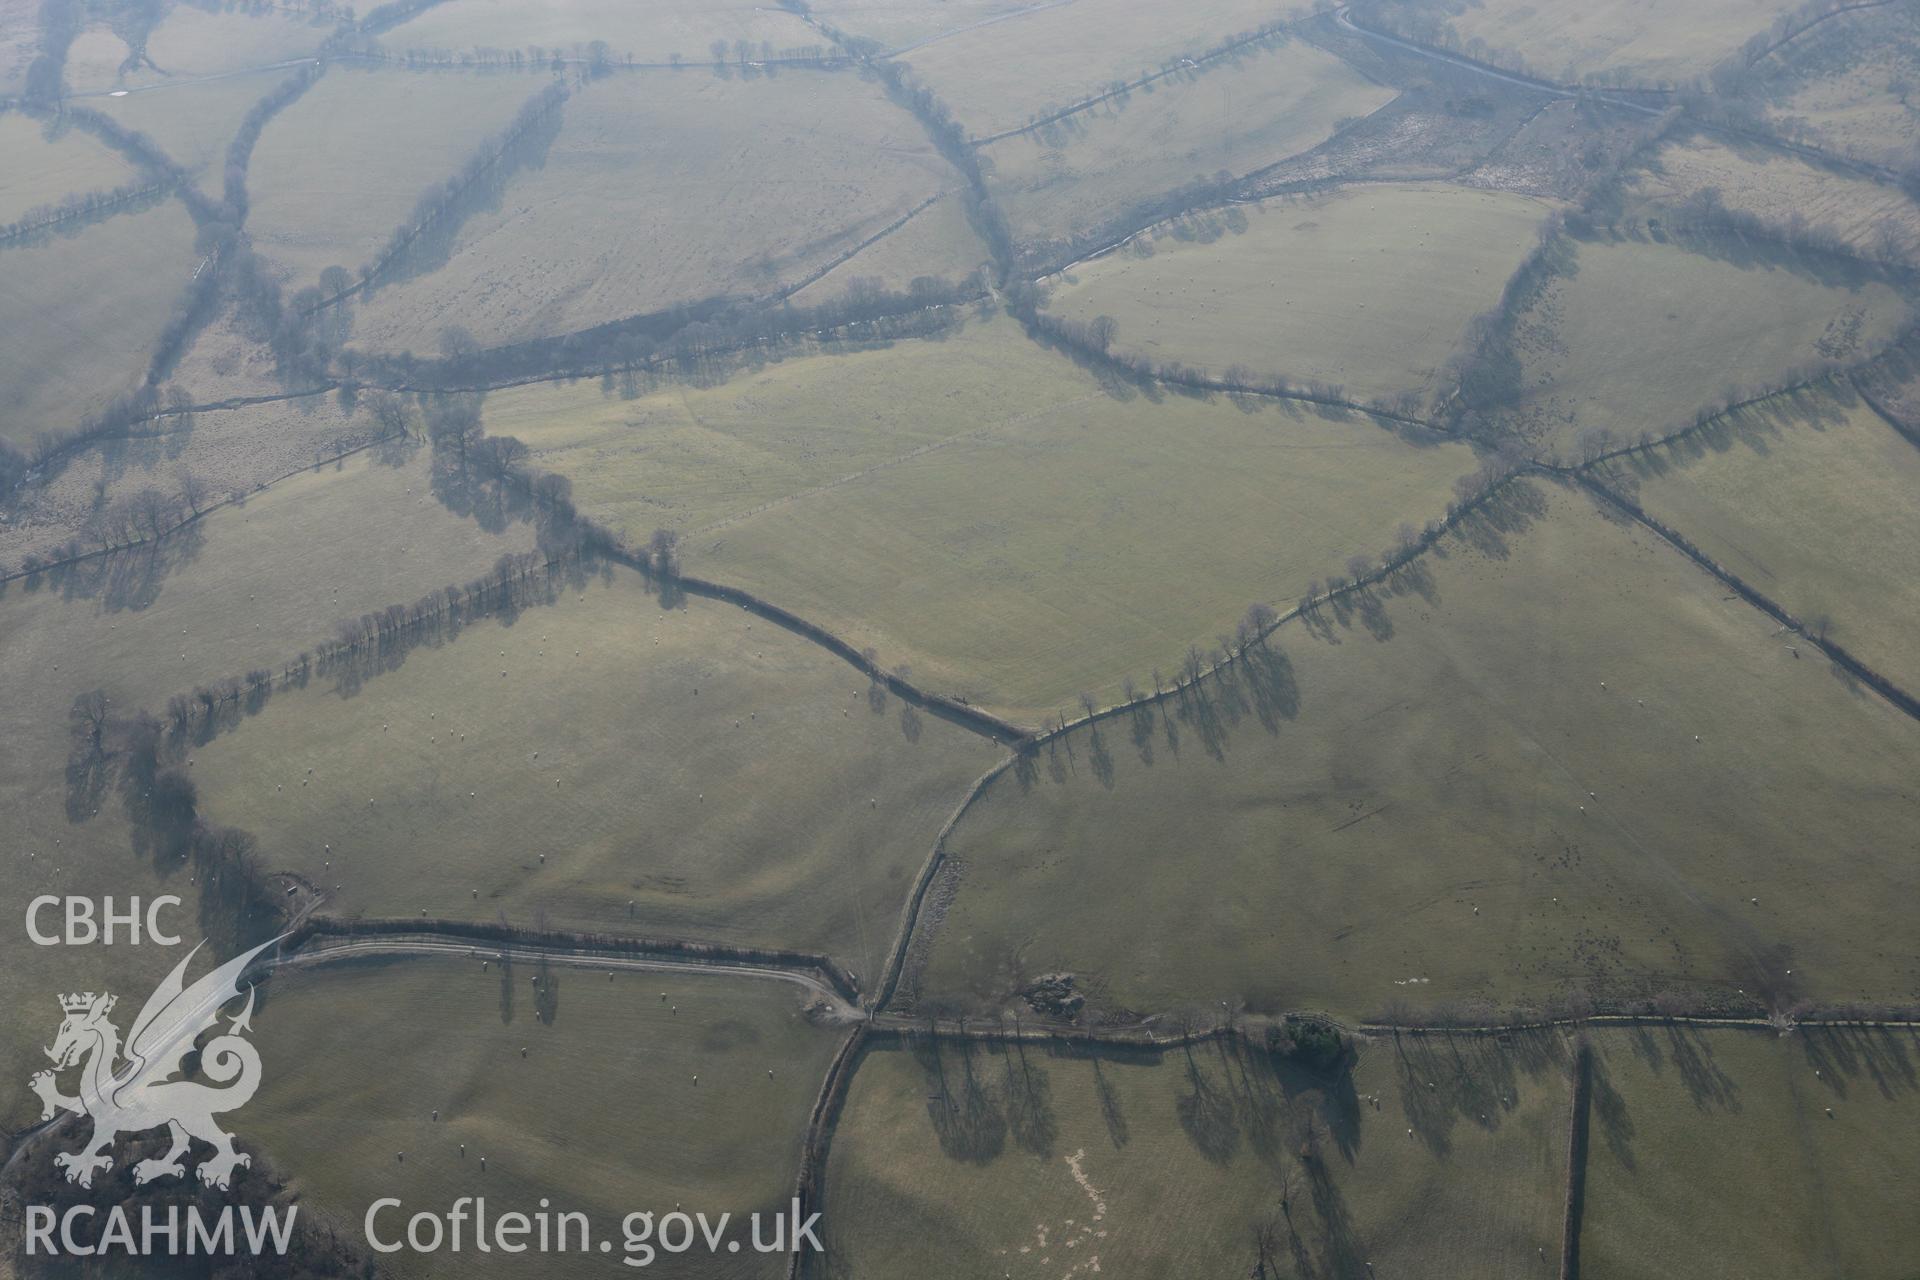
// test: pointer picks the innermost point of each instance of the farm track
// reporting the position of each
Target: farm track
(185, 81)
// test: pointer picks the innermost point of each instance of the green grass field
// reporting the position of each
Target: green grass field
(1811, 502)
(735, 187)
(83, 314)
(1086, 172)
(37, 168)
(338, 171)
(652, 32)
(601, 1115)
(253, 587)
(1370, 289)
(1642, 334)
(1712, 1154)
(694, 458)
(682, 774)
(1048, 524)
(1781, 189)
(997, 77)
(1031, 1163)
(1641, 42)
(1488, 788)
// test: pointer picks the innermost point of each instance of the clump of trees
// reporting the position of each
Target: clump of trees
(1311, 1042)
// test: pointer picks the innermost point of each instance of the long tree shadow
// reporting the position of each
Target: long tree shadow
(1206, 1113)
(967, 1121)
(1029, 1092)
(1841, 1053)
(1110, 1110)
(1610, 1106)
(1691, 1053)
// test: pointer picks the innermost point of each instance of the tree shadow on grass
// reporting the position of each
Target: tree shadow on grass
(1691, 1052)
(1454, 1078)
(967, 1120)
(1207, 1111)
(1610, 1107)
(128, 580)
(1845, 1053)
(1029, 1094)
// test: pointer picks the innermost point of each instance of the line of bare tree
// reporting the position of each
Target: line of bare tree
(953, 144)
(1092, 341)
(240, 149)
(78, 210)
(126, 524)
(596, 58)
(450, 200)
(690, 341)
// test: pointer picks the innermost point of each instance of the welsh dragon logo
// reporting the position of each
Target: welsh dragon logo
(129, 1090)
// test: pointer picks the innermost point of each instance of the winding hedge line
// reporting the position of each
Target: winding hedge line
(676, 948)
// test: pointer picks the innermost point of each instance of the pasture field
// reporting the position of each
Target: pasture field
(735, 187)
(657, 31)
(191, 42)
(339, 170)
(1628, 42)
(252, 586)
(1487, 788)
(1045, 524)
(693, 458)
(602, 1114)
(1090, 171)
(19, 42)
(1713, 1154)
(1783, 190)
(1369, 288)
(987, 1159)
(38, 168)
(683, 773)
(999, 76)
(938, 241)
(83, 314)
(194, 121)
(1811, 502)
(1640, 334)
(896, 24)
(1843, 86)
